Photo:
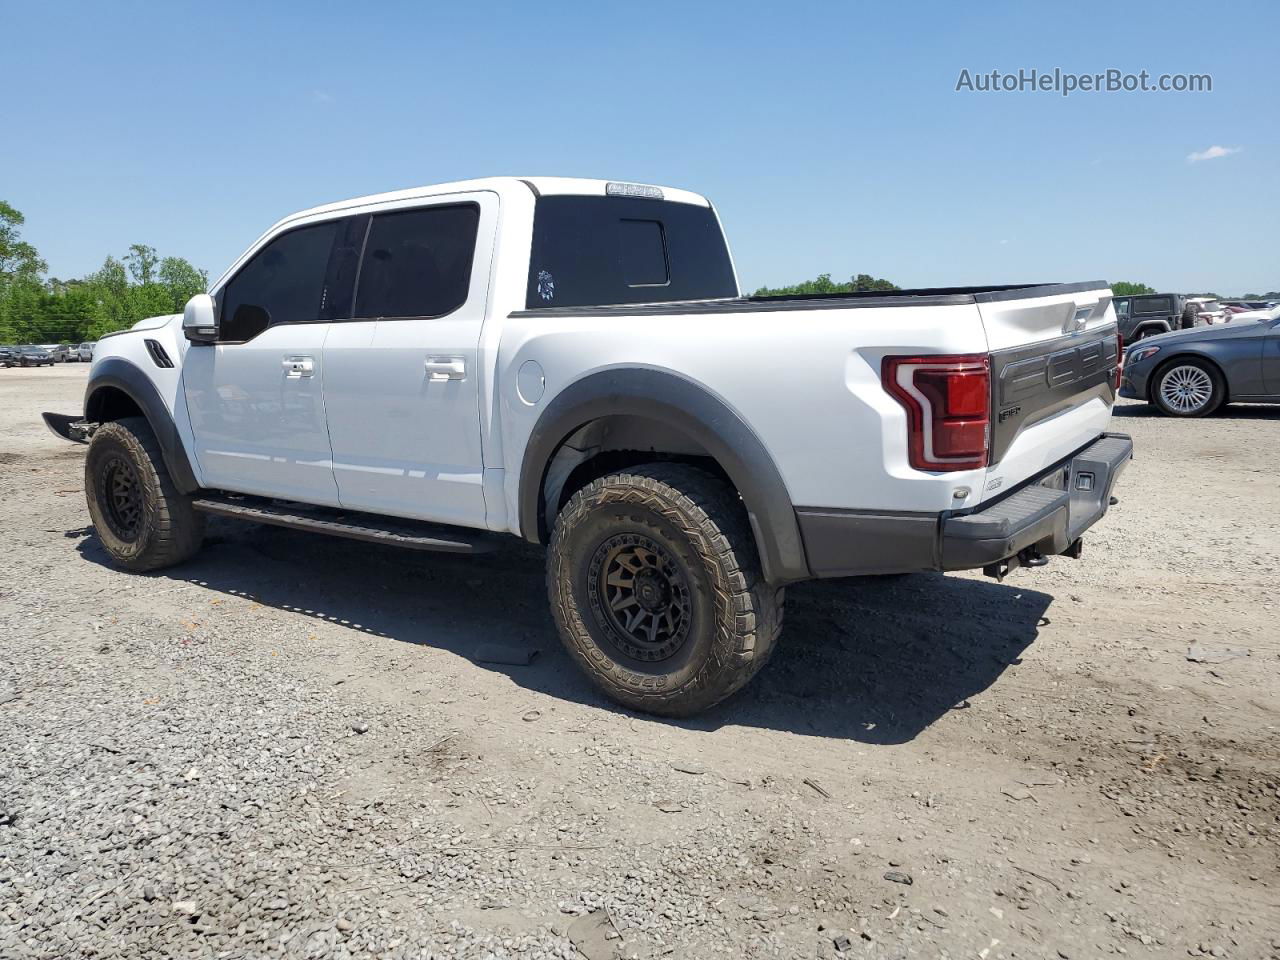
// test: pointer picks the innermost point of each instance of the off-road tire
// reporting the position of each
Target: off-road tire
(1216, 387)
(700, 527)
(166, 530)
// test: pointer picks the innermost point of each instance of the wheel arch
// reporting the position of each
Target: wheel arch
(118, 389)
(1151, 328)
(675, 417)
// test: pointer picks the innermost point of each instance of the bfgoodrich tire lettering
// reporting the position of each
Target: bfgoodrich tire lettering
(669, 545)
(144, 523)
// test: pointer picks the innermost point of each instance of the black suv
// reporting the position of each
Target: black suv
(1147, 314)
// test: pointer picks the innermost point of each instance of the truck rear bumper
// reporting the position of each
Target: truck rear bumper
(1045, 516)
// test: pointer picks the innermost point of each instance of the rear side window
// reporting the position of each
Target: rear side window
(1153, 305)
(594, 251)
(417, 263)
(283, 283)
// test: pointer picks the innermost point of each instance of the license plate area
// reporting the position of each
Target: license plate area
(1056, 479)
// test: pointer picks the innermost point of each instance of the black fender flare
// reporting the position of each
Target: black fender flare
(693, 410)
(120, 374)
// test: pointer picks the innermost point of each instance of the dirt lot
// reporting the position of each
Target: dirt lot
(290, 746)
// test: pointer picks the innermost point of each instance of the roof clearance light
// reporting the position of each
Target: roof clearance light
(632, 190)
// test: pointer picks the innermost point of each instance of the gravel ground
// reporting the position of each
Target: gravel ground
(291, 746)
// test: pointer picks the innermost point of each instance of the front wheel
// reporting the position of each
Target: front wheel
(656, 589)
(1188, 388)
(142, 519)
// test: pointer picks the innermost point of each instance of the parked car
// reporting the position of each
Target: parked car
(84, 352)
(583, 372)
(1149, 314)
(1208, 311)
(59, 352)
(1191, 373)
(8, 356)
(33, 356)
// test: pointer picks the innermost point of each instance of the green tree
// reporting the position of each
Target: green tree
(1123, 288)
(864, 283)
(22, 310)
(141, 261)
(823, 284)
(17, 257)
(182, 280)
(113, 297)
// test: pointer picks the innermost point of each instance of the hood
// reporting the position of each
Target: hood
(155, 323)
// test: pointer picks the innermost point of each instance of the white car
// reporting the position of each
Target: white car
(571, 362)
(1210, 311)
(84, 352)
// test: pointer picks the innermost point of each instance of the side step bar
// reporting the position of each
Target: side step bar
(414, 534)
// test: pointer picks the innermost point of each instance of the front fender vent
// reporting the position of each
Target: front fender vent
(158, 355)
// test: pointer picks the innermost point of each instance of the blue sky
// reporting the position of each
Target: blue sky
(830, 137)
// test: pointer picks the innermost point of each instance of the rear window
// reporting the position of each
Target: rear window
(594, 251)
(1153, 305)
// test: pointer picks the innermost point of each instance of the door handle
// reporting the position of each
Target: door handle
(297, 367)
(446, 368)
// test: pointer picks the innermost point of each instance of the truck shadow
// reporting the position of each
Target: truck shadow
(872, 660)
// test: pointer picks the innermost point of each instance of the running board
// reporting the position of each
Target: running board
(414, 534)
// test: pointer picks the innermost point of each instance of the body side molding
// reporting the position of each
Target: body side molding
(700, 415)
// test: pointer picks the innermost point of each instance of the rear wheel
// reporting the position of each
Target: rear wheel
(1188, 388)
(144, 523)
(656, 589)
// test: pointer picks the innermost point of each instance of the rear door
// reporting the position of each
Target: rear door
(1053, 361)
(402, 374)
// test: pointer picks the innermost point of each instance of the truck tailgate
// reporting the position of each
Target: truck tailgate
(1053, 360)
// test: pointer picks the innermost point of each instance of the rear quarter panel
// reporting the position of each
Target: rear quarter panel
(806, 381)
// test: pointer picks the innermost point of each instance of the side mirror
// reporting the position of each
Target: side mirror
(199, 322)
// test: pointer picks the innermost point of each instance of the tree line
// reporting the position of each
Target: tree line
(863, 282)
(860, 283)
(35, 308)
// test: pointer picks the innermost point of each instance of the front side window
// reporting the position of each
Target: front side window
(283, 283)
(417, 263)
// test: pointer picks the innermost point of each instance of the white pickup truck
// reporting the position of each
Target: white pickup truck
(571, 362)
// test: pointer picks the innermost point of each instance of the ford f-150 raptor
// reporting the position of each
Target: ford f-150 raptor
(571, 362)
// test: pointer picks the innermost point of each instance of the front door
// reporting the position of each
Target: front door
(256, 397)
(402, 375)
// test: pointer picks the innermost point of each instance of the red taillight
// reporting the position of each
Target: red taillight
(1119, 360)
(948, 404)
